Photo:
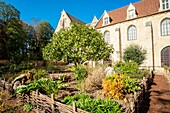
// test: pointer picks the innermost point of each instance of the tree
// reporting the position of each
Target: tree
(12, 34)
(77, 44)
(135, 53)
(30, 41)
(44, 32)
(8, 12)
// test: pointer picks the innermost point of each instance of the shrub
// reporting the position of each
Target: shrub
(134, 53)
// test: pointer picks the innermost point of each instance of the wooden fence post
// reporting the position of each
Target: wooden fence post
(36, 99)
(52, 103)
(74, 107)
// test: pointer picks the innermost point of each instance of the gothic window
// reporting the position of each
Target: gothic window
(107, 37)
(165, 4)
(132, 33)
(165, 27)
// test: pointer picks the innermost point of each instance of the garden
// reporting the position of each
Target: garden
(88, 87)
(56, 85)
(59, 79)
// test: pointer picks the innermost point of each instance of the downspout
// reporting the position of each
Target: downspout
(120, 45)
(153, 48)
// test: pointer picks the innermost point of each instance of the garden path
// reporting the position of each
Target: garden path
(159, 96)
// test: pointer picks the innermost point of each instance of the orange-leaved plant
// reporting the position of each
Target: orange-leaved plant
(113, 86)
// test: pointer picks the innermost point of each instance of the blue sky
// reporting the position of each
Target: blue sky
(50, 10)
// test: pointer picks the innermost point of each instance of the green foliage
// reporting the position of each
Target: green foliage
(28, 107)
(38, 74)
(134, 53)
(93, 105)
(131, 85)
(44, 32)
(77, 44)
(15, 67)
(8, 11)
(131, 69)
(80, 72)
(126, 68)
(44, 85)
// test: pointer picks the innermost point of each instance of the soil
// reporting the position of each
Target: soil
(157, 101)
(158, 97)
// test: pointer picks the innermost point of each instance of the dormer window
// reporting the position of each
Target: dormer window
(106, 18)
(106, 21)
(165, 4)
(131, 12)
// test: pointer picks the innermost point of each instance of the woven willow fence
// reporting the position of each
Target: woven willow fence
(42, 103)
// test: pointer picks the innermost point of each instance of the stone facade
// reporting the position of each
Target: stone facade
(146, 20)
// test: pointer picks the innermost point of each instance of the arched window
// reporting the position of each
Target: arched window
(165, 27)
(165, 56)
(132, 33)
(107, 37)
(165, 4)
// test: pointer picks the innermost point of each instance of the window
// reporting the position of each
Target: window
(165, 4)
(132, 33)
(165, 56)
(106, 21)
(107, 37)
(165, 27)
(131, 14)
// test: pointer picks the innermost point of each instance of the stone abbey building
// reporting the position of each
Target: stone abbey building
(146, 23)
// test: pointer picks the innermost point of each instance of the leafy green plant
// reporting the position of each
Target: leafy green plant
(28, 107)
(44, 85)
(130, 85)
(95, 105)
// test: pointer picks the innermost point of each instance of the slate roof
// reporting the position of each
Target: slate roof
(143, 8)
